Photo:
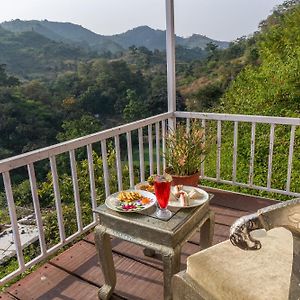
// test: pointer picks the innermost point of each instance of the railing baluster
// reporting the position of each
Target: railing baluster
(92, 179)
(105, 167)
(150, 148)
(219, 141)
(163, 133)
(270, 160)
(13, 219)
(76, 189)
(157, 144)
(36, 206)
(188, 125)
(251, 168)
(119, 163)
(203, 124)
(58, 206)
(290, 161)
(141, 154)
(235, 145)
(130, 160)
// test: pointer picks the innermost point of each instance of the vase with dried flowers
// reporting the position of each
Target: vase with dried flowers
(185, 150)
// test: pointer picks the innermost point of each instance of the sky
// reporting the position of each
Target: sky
(217, 19)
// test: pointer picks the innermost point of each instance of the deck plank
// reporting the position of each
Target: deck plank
(6, 296)
(133, 278)
(136, 252)
(49, 282)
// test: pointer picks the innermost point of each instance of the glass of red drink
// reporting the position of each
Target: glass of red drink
(162, 188)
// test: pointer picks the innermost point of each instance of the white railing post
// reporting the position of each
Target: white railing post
(13, 219)
(92, 178)
(157, 144)
(150, 142)
(57, 197)
(130, 159)
(163, 136)
(219, 142)
(37, 210)
(252, 154)
(203, 124)
(141, 154)
(290, 161)
(76, 190)
(170, 49)
(270, 160)
(235, 145)
(118, 163)
(105, 167)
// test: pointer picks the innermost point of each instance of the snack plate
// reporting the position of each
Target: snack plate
(114, 203)
(194, 202)
(142, 186)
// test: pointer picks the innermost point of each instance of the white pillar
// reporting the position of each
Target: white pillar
(170, 50)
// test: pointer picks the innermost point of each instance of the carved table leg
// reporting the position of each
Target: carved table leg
(207, 231)
(294, 293)
(171, 261)
(104, 250)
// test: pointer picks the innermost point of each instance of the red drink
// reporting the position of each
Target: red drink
(162, 189)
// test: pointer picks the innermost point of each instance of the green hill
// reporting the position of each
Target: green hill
(271, 87)
(142, 36)
(200, 41)
(30, 55)
(64, 32)
(156, 39)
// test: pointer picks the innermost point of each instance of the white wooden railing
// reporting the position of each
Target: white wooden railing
(149, 132)
(158, 124)
(237, 121)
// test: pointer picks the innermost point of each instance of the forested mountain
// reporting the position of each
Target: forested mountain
(31, 55)
(142, 36)
(65, 32)
(156, 39)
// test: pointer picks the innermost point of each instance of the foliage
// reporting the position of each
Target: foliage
(135, 109)
(270, 88)
(72, 129)
(185, 149)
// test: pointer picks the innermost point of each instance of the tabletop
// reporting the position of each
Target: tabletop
(145, 226)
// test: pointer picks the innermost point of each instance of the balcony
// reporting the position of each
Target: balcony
(116, 159)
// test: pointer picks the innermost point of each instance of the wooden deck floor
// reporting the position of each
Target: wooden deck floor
(76, 274)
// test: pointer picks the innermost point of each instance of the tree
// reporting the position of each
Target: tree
(135, 109)
(6, 80)
(72, 129)
(36, 90)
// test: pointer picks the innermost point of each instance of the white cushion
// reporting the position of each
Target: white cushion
(227, 272)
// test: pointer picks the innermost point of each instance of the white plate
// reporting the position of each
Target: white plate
(114, 203)
(194, 202)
